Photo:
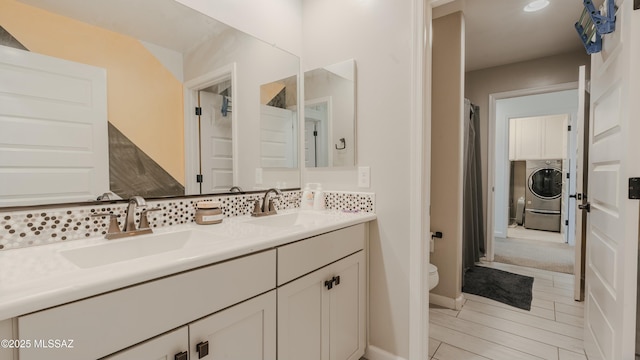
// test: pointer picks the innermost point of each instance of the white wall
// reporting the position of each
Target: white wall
(277, 22)
(562, 102)
(378, 35)
(257, 63)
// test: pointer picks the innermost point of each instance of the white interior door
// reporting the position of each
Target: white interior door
(582, 128)
(216, 145)
(54, 141)
(277, 133)
(310, 142)
(612, 224)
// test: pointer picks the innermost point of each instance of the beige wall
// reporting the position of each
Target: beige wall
(141, 93)
(447, 151)
(479, 84)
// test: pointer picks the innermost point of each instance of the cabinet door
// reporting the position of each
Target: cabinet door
(347, 309)
(244, 331)
(303, 307)
(528, 138)
(317, 321)
(555, 137)
(167, 346)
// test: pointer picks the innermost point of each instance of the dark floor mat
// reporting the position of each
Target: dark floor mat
(505, 287)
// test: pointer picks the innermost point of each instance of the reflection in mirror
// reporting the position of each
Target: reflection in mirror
(215, 140)
(329, 124)
(154, 147)
(278, 124)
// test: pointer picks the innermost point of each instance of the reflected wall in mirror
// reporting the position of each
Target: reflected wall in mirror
(150, 50)
(329, 124)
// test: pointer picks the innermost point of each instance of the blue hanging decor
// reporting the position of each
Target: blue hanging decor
(592, 25)
(226, 107)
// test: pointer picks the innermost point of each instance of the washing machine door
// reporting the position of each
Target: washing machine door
(546, 183)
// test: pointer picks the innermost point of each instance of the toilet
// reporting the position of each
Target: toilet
(434, 278)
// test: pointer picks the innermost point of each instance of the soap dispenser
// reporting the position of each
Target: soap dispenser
(318, 199)
(307, 201)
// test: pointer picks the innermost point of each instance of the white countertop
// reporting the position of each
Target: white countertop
(39, 277)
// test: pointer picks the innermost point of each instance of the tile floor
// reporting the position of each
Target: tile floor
(520, 232)
(486, 329)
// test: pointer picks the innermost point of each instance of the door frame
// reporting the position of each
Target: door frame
(329, 123)
(491, 140)
(191, 134)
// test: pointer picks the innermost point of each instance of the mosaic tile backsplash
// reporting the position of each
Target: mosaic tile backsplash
(49, 225)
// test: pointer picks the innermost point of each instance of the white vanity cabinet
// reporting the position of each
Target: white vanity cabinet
(321, 314)
(302, 300)
(104, 324)
(243, 331)
(173, 345)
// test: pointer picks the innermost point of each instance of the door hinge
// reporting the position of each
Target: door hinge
(566, 223)
(634, 188)
(569, 128)
(568, 175)
(315, 133)
(198, 111)
(199, 178)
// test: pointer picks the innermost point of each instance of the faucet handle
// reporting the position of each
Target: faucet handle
(144, 222)
(271, 208)
(257, 210)
(114, 228)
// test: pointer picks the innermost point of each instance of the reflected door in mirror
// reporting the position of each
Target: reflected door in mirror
(216, 142)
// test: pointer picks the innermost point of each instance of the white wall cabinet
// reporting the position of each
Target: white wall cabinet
(538, 138)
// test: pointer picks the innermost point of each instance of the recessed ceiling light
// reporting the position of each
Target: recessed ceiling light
(536, 5)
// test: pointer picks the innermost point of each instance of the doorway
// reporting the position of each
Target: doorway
(317, 120)
(531, 216)
(210, 131)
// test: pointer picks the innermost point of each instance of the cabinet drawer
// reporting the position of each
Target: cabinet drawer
(303, 257)
(104, 324)
(166, 346)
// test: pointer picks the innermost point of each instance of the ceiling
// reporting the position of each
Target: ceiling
(166, 23)
(499, 32)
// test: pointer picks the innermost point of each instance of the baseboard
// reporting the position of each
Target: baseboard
(447, 302)
(375, 353)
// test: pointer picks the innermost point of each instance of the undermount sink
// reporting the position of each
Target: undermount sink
(287, 220)
(132, 248)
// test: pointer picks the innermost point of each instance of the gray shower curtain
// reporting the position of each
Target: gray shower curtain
(473, 224)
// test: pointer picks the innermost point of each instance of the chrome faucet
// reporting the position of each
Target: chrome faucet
(236, 189)
(129, 228)
(267, 207)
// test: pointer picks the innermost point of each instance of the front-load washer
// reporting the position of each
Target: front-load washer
(543, 195)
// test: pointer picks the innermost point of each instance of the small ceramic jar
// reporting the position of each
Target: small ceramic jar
(208, 212)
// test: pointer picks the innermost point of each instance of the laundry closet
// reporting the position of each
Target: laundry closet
(537, 154)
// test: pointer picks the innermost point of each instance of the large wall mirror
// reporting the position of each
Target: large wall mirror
(330, 115)
(184, 100)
